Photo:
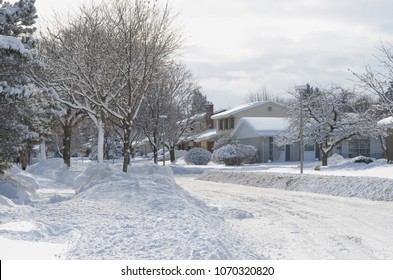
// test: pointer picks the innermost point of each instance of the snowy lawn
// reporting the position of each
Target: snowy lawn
(95, 211)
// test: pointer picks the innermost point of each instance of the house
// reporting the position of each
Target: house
(207, 133)
(260, 133)
(257, 124)
(260, 123)
(226, 121)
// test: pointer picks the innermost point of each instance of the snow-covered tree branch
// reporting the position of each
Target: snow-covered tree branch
(329, 118)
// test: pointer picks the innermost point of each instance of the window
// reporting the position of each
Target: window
(232, 123)
(220, 125)
(309, 148)
(226, 123)
(359, 147)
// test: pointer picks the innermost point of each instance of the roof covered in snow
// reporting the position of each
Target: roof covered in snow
(387, 122)
(206, 135)
(241, 108)
(259, 127)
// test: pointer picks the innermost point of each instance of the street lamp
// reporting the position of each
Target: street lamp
(301, 89)
(163, 118)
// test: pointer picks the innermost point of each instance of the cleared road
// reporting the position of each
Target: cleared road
(297, 225)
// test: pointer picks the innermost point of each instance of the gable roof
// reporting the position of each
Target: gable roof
(259, 127)
(242, 108)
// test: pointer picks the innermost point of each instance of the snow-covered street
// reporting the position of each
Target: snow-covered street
(299, 225)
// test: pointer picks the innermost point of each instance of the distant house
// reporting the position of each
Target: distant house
(260, 123)
(204, 135)
(257, 124)
(226, 121)
(260, 133)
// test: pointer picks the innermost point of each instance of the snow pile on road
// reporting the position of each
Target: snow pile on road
(141, 214)
(347, 186)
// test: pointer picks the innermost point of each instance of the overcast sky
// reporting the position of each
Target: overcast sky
(235, 47)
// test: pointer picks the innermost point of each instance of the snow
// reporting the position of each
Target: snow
(206, 135)
(387, 122)
(259, 127)
(94, 211)
(288, 225)
(142, 214)
(14, 44)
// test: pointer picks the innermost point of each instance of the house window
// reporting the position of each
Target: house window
(232, 123)
(226, 123)
(309, 148)
(220, 124)
(359, 147)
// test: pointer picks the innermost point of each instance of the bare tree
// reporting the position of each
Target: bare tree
(263, 94)
(145, 41)
(379, 81)
(82, 71)
(170, 96)
(108, 59)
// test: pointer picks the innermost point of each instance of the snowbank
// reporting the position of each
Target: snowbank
(362, 187)
(24, 177)
(17, 187)
(142, 214)
(6, 201)
(56, 170)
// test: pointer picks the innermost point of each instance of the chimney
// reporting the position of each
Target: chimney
(209, 114)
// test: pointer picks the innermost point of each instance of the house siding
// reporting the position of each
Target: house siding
(263, 112)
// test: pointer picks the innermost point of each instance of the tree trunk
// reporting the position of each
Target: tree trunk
(324, 158)
(42, 149)
(100, 142)
(126, 148)
(67, 144)
(155, 147)
(155, 154)
(172, 153)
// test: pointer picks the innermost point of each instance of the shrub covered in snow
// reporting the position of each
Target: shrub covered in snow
(235, 154)
(225, 139)
(363, 159)
(249, 153)
(198, 156)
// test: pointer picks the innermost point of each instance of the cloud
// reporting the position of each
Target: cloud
(235, 47)
(240, 45)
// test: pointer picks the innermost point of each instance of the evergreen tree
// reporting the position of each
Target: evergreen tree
(17, 48)
(198, 102)
(16, 59)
